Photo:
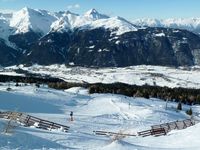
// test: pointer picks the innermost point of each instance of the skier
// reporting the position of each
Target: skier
(71, 116)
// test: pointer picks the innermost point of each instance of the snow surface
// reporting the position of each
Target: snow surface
(138, 75)
(106, 112)
(28, 19)
(160, 34)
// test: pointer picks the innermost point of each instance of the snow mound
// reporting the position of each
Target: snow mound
(77, 90)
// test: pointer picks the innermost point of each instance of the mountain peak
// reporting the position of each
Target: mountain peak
(95, 15)
(92, 11)
(27, 9)
(71, 13)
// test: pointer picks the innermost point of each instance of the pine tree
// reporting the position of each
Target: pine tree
(179, 107)
(189, 112)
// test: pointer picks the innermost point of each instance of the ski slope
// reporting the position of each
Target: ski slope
(105, 112)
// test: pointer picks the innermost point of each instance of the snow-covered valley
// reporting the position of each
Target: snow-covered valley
(187, 77)
(107, 112)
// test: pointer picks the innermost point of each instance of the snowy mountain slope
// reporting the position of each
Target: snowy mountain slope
(28, 19)
(117, 24)
(106, 112)
(5, 30)
(191, 24)
(91, 20)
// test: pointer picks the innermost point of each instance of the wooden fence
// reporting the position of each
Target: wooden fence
(152, 132)
(176, 125)
(28, 120)
(156, 130)
(112, 133)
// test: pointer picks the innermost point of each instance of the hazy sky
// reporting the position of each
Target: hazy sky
(129, 9)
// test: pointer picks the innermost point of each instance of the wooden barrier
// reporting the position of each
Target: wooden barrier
(28, 120)
(152, 132)
(156, 130)
(144, 133)
(176, 125)
(112, 133)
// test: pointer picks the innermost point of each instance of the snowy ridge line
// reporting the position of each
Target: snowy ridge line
(28, 121)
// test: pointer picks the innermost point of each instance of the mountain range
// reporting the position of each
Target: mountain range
(190, 24)
(31, 36)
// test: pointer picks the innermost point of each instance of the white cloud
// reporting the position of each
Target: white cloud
(75, 6)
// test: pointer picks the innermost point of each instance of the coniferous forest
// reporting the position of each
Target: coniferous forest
(183, 95)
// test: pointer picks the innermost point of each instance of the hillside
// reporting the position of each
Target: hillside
(92, 112)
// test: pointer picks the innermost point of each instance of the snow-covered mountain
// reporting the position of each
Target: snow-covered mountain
(91, 20)
(191, 24)
(43, 21)
(28, 19)
(93, 39)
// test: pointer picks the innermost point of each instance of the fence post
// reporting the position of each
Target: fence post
(185, 125)
(28, 120)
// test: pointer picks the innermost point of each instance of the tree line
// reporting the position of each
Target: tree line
(183, 95)
(29, 79)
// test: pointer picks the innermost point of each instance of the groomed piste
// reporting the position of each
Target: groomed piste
(96, 112)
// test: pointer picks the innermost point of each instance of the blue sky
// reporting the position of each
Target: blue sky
(129, 9)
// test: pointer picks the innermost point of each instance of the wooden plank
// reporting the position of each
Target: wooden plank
(145, 133)
(31, 120)
(158, 131)
(50, 122)
(112, 133)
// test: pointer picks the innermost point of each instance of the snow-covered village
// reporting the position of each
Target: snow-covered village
(99, 75)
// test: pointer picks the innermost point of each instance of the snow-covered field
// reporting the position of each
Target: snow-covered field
(106, 112)
(139, 75)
